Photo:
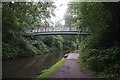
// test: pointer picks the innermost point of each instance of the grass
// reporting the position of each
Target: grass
(52, 70)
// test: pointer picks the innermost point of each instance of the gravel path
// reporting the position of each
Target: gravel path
(71, 69)
(73, 56)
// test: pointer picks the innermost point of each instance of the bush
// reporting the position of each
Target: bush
(105, 62)
(18, 47)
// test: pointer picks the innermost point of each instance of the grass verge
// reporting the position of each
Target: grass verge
(51, 70)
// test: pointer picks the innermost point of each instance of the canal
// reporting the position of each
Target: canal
(28, 67)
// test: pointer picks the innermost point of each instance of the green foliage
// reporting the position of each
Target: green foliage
(63, 43)
(69, 43)
(69, 46)
(104, 62)
(91, 16)
(53, 42)
(18, 48)
(17, 18)
(99, 51)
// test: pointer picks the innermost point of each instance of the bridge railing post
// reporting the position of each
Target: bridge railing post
(45, 29)
(70, 28)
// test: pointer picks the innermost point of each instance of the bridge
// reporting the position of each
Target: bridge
(54, 31)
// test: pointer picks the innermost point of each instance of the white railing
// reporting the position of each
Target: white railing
(50, 29)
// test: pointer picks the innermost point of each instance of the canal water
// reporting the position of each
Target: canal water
(28, 67)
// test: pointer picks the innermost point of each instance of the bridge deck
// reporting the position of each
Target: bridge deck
(57, 33)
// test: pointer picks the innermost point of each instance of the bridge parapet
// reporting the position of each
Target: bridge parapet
(55, 31)
(51, 29)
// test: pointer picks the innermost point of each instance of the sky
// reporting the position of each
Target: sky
(61, 7)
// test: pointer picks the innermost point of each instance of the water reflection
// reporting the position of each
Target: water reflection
(28, 67)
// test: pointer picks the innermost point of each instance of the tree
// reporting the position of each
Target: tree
(18, 17)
